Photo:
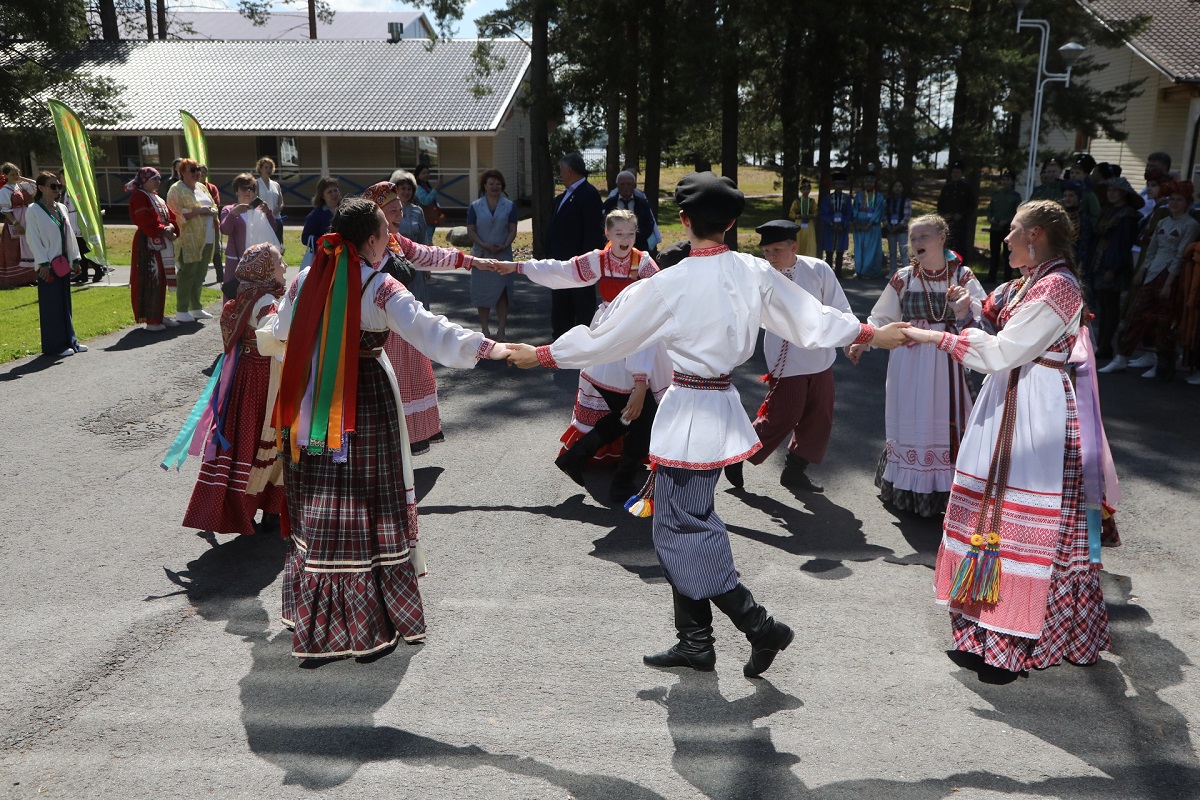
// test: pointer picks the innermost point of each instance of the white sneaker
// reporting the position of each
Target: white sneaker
(184, 316)
(81, 348)
(70, 351)
(1143, 361)
(170, 323)
(157, 327)
(201, 314)
(1151, 373)
(1118, 364)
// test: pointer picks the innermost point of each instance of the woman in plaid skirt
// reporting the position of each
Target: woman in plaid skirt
(1018, 566)
(350, 579)
(927, 397)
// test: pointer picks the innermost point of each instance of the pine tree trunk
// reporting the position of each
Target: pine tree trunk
(540, 169)
(109, 30)
(162, 19)
(612, 127)
(633, 139)
(312, 19)
(730, 106)
(149, 21)
(654, 99)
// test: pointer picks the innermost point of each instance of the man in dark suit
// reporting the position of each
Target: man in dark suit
(627, 198)
(577, 227)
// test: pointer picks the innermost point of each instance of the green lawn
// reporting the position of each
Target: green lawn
(97, 310)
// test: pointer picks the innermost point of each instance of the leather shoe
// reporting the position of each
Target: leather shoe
(571, 466)
(794, 478)
(702, 661)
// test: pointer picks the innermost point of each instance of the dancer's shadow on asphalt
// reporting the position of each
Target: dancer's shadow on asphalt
(718, 747)
(923, 534)
(318, 726)
(820, 528)
(140, 337)
(627, 544)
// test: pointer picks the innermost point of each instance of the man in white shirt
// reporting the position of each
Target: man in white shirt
(800, 400)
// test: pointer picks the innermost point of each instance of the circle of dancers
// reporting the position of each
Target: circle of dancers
(325, 392)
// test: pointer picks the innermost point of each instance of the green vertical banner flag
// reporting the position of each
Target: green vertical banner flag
(194, 136)
(80, 175)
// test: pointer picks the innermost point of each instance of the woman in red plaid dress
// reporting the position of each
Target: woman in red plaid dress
(1016, 566)
(350, 578)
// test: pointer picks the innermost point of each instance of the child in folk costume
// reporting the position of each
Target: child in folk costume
(616, 399)
(837, 212)
(241, 473)
(799, 403)
(868, 230)
(1019, 563)
(16, 193)
(706, 311)
(350, 578)
(927, 396)
(804, 213)
(414, 372)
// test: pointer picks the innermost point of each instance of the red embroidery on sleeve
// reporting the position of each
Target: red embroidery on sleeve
(1059, 291)
(545, 359)
(956, 346)
(897, 282)
(865, 334)
(485, 349)
(389, 288)
(583, 266)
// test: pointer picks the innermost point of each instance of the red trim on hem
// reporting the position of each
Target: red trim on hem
(544, 358)
(604, 386)
(707, 251)
(707, 464)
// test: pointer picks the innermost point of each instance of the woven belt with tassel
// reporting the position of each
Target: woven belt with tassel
(687, 381)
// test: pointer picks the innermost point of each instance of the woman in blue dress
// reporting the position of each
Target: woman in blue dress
(868, 232)
(492, 224)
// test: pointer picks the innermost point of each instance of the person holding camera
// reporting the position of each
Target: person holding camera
(247, 222)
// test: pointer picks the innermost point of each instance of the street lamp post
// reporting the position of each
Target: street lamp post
(1070, 52)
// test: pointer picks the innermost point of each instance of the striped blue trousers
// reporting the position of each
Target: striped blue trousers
(689, 538)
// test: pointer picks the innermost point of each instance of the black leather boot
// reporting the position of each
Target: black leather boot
(571, 462)
(693, 624)
(794, 476)
(735, 474)
(766, 635)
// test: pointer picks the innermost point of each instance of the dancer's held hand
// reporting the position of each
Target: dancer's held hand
(503, 267)
(922, 336)
(854, 353)
(500, 352)
(890, 336)
(522, 355)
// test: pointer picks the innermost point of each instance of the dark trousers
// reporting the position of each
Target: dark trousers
(637, 433)
(571, 307)
(54, 311)
(999, 256)
(800, 406)
(835, 259)
(962, 240)
(1108, 302)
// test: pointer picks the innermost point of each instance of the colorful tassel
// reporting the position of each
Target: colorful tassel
(986, 587)
(642, 503)
(964, 576)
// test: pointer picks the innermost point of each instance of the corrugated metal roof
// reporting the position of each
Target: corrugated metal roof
(307, 85)
(229, 25)
(1171, 41)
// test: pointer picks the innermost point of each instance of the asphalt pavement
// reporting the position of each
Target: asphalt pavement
(145, 660)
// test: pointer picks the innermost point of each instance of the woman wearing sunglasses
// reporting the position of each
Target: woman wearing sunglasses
(56, 257)
(194, 210)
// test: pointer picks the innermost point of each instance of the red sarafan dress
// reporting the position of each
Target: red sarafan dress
(244, 454)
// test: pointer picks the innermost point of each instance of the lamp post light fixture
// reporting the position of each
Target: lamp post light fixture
(1070, 53)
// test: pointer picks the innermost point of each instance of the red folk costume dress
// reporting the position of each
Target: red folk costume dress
(610, 275)
(153, 262)
(414, 372)
(223, 500)
(1019, 486)
(16, 261)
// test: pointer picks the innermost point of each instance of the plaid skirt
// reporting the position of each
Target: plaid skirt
(219, 502)
(1076, 626)
(350, 588)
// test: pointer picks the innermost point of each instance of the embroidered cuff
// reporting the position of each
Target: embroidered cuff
(865, 334)
(485, 349)
(520, 267)
(544, 357)
(641, 377)
(956, 346)
(465, 261)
